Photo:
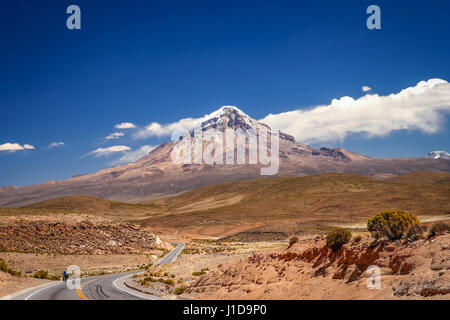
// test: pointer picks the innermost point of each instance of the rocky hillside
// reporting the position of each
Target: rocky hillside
(310, 270)
(61, 235)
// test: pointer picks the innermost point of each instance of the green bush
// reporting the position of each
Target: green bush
(169, 282)
(337, 238)
(437, 228)
(180, 290)
(4, 267)
(199, 273)
(391, 224)
(54, 277)
(41, 274)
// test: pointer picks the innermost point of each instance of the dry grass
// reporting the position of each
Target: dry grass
(294, 204)
(423, 177)
(85, 205)
(269, 207)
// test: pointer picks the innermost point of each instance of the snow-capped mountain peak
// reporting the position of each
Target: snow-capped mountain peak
(229, 117)
(438, 155)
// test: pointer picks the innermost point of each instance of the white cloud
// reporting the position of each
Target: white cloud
(109, 150)
(125, 125)
(415, 108)
(115, 135)
(132, 156)
(156, 129)
(13, 147)
(420, 107)
(55, 144)
(366, 88)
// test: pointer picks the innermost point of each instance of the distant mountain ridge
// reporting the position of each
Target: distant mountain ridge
(156, 175)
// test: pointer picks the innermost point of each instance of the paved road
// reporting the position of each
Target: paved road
(108, 287)
(172, 255)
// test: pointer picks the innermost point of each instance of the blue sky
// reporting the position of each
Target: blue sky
(161, 61)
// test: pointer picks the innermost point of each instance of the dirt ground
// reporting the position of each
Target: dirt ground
(10, 284)
(28, 264)
(310, 270)
(199, 257)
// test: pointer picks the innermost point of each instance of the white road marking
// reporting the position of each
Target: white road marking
(176, 252)
(52, 285)
(49, 286)
(132, 292)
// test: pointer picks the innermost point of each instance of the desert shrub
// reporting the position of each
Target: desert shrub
(146, 267)
(190, 251)
(146, 281)
(438, 228)
(293, 240)
(337, 238)
(180, 290)
(14, 273)
(391, 224)
(54, 277)
(41, 274)
(169, 282)
(356, 239)
(4, 267)
(199, 273)
(414, 232)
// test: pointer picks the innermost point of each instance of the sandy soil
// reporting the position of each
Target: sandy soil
(310, 270)
(10, 284)
(198, 257)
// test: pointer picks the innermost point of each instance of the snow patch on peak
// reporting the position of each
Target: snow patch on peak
(439, 154)
(230, 116)
(225, 110)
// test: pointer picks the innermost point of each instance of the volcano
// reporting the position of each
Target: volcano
(157, 175)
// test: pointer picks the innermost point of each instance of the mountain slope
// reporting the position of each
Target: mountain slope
(293, 204)
(155, 175)
(94, 206)
(423, 177)
(268, 208)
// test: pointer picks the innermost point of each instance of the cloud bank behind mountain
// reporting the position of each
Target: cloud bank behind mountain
(421, 107)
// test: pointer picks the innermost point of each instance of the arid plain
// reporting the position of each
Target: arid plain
(237, 237)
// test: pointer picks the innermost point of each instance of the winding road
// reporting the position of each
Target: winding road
(108, 287)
